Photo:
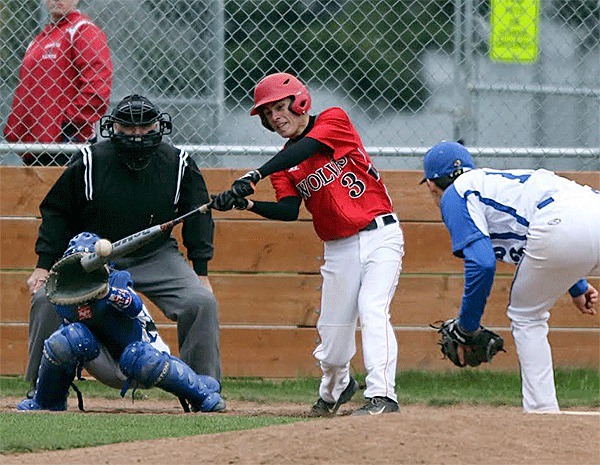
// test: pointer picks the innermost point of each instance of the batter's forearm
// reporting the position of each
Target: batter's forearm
(286, 209)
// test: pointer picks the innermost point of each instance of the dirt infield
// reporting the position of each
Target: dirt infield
(417, 435)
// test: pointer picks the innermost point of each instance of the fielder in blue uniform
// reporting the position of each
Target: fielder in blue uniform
(545, 224)
(115, 339)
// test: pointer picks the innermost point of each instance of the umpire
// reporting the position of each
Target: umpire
(117, 187)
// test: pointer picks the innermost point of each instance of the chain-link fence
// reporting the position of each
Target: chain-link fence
(517, 80)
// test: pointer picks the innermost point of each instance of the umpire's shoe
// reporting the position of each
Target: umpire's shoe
(377, 406)
(322, 408)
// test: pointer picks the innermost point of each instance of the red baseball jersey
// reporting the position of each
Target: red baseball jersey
(65, 77)
(342, 190)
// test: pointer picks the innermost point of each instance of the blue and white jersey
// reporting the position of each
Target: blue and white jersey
(500, 204)
(150, 333)
(118, 319)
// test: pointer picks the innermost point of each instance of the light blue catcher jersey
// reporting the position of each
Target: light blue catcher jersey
(500, 204)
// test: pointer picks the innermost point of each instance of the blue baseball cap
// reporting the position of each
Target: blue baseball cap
(446, 159)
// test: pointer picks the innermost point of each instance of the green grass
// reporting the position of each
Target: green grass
(51, 431)
(575, 387)
(45, 431)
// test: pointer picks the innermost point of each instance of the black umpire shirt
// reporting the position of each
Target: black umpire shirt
(97, 193)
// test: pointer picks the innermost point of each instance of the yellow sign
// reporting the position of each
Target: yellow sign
(514, 31)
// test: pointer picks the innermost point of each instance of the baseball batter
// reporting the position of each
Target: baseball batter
(324, 164)
(545, 224)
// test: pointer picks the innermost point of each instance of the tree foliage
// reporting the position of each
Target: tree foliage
(370, 48)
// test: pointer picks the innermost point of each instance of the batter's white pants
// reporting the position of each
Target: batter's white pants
(563, 246)
(360, 275)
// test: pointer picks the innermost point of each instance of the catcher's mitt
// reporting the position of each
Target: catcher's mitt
(478, 347)
(69, 284)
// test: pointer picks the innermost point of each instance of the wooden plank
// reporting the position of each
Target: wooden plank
(293, 300)
(263, 246)
(23, 188)
(287, 353)
(275, 246)
(15, 300)
(13, 349)
(422, 300)
(17, 242)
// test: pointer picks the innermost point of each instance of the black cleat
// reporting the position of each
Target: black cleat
(377, 406)
(322, 408)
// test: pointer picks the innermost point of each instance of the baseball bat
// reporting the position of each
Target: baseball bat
(129, 244)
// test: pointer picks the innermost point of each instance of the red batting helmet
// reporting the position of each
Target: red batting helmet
(279, 86)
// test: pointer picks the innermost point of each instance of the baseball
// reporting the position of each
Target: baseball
(103, 247)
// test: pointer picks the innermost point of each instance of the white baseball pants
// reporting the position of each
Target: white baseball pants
(360, 275)
(563, 246)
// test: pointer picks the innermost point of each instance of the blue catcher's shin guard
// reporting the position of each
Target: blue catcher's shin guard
(52, 388)
(63, 351)
(149, 367)
(211, 383)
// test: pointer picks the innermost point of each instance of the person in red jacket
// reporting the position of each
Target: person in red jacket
(64, 86)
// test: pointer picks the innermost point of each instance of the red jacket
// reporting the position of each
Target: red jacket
(65, 78)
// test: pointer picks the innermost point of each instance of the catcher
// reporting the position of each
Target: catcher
(108, 331)
(545, 224)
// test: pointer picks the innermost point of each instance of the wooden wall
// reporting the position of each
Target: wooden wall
(265, 275)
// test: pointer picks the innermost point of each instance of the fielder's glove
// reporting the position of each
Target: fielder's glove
(244, 186)
(226, 201)
(479, 346)
(69, 284)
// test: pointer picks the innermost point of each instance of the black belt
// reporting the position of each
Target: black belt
(387, 219)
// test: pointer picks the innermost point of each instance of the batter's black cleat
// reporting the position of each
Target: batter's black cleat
(377, 406)
(322, 408)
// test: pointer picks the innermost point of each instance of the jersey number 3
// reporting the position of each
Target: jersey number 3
(355, 186)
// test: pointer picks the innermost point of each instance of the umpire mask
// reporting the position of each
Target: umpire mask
(136, 111)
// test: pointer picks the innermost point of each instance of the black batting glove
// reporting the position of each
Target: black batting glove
(222, 202)
(244, 186)
(240, 203)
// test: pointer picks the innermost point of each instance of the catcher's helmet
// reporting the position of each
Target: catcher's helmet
(278, 86)
(446, 159)
(136, 110)
(82, 242)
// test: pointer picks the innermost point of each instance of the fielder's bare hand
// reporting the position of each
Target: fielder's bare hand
(37, 279)
(586, 302)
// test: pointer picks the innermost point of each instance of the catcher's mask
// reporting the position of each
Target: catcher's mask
(82, 242)
(136, 111)
(278, 86)
(446, 161)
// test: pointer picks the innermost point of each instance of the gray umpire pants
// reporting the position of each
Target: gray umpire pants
(167, 279)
